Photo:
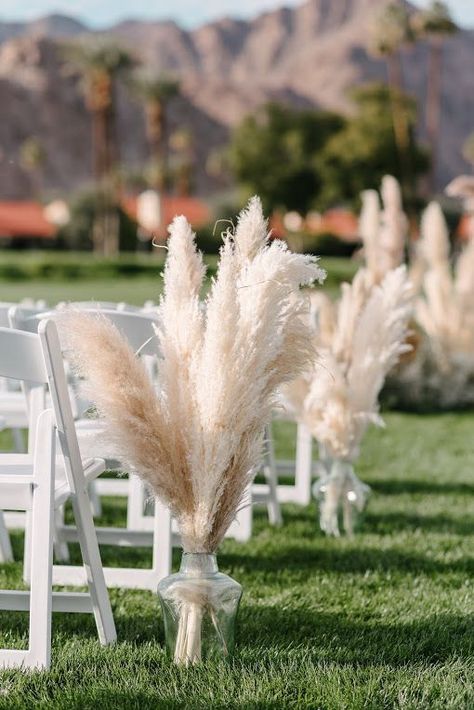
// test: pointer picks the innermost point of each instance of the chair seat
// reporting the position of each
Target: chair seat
(13, 408)
(18, 468)
(91, 442)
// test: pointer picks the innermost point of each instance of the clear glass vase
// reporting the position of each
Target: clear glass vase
(341, 495)
(199, 606)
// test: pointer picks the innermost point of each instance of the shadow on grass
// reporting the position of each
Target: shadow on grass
(348, 560)
(317, 635)
(410, 487)
(336, 638)
(390, 522)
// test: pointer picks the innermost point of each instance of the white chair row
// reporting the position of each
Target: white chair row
(40, 481)
(154, 530)
(48, 482)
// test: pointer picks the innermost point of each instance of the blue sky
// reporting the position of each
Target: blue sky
(186, 12)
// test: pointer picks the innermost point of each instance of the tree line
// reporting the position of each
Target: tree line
(295, 160)
(313, 159)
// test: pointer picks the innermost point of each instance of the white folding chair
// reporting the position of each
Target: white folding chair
(6, 553)
(100, 305)
(303, 469)
(137, 328)
(12, 401)
(37, 482)
(27, 318)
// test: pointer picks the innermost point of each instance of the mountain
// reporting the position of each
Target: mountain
(53, 26)
(309, 55)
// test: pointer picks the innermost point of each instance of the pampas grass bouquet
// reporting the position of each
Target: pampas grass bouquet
(195, 435)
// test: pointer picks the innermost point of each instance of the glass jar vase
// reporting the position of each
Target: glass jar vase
(199, 606)
(341, 495)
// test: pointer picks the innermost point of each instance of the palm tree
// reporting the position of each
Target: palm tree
(32, 159)
(100, 63)
(391, 32)
(156, 92)
(182, 144)
(434, 24)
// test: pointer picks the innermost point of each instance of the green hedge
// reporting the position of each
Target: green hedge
(79, 266)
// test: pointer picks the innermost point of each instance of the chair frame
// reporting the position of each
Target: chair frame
(302, 468)
(138, 329)
(34, 486)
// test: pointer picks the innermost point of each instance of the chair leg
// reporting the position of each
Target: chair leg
(271, 477)
(41, 591)
(135, 503)
(162, 541)
(27, 547)
(241, 528)
(96, 503)
(303, 465)
(93, 566)
(61, 548)
(6, 553)
(19, 441)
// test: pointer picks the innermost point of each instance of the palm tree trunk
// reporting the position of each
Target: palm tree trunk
(112, 237)
(156, 130)
(400, 121)
(105, 231)
(99, 142)
(433, 105)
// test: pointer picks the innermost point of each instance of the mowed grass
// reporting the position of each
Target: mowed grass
(131, 289)
(381, 621)
(134, 291)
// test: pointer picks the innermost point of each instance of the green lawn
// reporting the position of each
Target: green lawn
(381, 621)
(135, 290)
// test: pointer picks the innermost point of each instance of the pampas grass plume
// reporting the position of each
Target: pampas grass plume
(195, 436)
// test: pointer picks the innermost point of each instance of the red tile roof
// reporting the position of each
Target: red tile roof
(24, 219)
(196, 212)
(464, 228)
(338, 221)
(343, 223)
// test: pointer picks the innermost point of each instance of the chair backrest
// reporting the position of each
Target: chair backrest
(100, 305)
(137, 328)
(21, 357)
(4, 310)
(25, 318)
(22, 360)
(58, 389)
(36, 361)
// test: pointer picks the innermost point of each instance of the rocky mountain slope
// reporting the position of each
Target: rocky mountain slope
(308, 55)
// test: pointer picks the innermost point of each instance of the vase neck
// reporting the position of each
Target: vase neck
(198, 563)
(340, 467)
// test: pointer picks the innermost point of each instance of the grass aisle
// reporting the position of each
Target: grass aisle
(384, 621)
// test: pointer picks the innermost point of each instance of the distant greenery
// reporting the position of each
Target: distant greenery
(67, 266)
(80, 277)
(274, 154)
(298, 160)
(84, 207)
(364, 151)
